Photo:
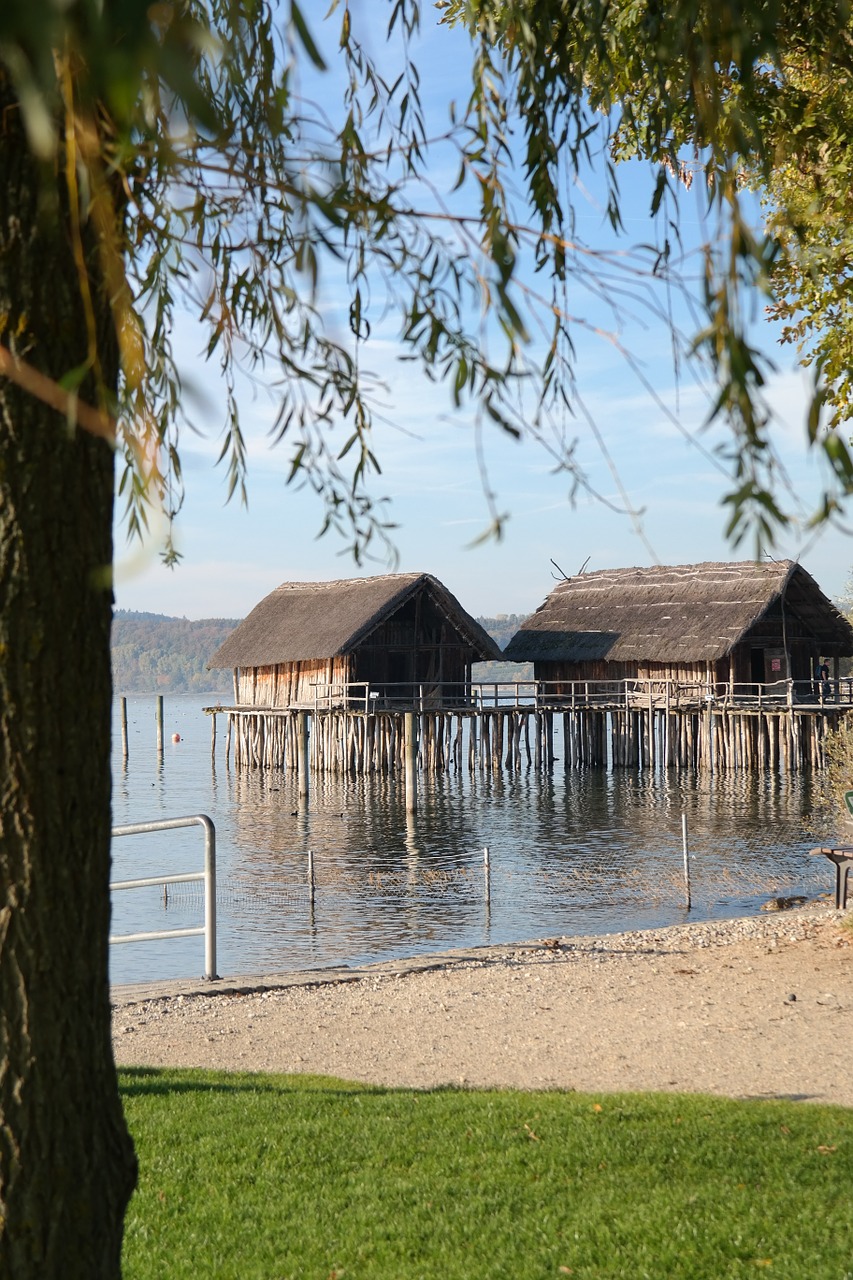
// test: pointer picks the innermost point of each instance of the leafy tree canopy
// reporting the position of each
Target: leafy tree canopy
(753, 96)
(215, 183)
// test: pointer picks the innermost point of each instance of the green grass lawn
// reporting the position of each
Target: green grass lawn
(282, 1177)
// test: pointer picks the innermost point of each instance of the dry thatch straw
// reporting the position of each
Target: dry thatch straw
(678, 613)
(301, 621)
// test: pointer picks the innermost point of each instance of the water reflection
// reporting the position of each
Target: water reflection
(569, 853)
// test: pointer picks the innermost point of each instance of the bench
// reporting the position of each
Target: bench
(842, 856)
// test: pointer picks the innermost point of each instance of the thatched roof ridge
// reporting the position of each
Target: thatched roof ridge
(687, 613)
(301, 621)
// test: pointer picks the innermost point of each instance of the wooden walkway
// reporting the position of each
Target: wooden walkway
(516, 726)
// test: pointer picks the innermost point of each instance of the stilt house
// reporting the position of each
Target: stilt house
(399, 640)
(721, 627)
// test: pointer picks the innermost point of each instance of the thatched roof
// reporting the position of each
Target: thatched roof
(687, 613)
(301, 621)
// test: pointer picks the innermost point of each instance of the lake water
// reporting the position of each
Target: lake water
(569, 853)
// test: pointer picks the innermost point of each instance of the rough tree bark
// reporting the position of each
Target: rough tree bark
(67, 1167)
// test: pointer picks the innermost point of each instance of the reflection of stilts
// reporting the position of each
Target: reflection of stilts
(311, 887)
(311, 879)
(312, 929)
(487, 886)
(413, 857)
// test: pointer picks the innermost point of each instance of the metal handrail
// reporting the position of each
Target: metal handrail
(208, 876)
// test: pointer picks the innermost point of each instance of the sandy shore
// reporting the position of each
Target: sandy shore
(759, 1007)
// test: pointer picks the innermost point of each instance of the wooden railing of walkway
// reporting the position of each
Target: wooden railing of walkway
(580, 695)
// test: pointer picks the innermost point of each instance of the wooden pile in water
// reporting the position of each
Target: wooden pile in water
(491, 739)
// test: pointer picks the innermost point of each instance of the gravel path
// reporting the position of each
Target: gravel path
(757, 1007)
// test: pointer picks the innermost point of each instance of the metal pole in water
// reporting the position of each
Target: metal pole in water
(160, 724)
(124, 728)
(311, 877)
(686, 858)
(487, 875)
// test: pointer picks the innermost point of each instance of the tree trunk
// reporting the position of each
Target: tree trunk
(67, 1167)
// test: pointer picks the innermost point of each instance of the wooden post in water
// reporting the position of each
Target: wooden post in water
(498, 740)
(302, 752)
(124, 728)
(709, 739)
(411, 762)
(159, 717)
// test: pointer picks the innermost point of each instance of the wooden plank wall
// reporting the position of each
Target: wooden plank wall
(289, 684)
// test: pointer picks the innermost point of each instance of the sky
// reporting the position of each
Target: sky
(433, 459)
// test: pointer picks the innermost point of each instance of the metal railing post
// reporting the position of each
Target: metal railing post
(209, 896)
(208, 876)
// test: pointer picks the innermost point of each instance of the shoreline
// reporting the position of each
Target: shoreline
(755, 1006)
(792, 924)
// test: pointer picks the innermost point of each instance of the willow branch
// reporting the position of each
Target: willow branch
(95, 421)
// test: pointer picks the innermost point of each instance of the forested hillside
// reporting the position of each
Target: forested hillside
(156, 654)
(502, 629)
(153, 653)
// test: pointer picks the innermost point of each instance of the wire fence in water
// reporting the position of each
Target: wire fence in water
(382, 900)
(661, 879)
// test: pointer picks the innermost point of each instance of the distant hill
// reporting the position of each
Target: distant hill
(153, 653)
(502, 629)
(156, 654)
